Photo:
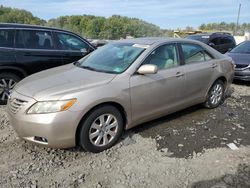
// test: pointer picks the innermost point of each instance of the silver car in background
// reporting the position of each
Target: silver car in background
(117, 87)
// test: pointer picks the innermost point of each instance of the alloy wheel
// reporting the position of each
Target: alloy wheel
(216, 94)
(6, 85)
(103, 130)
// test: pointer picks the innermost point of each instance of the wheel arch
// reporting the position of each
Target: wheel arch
(117, 105)
(223, 79)
(14, 70)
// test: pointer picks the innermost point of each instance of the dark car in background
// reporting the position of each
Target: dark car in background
(220, 41)
(241, 56)
(27, 49)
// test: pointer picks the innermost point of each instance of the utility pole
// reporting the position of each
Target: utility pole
(237, 23)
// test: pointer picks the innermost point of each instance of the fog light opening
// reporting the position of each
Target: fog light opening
(40, 139)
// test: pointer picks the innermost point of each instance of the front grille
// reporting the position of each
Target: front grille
(16, 104)
(238, 66)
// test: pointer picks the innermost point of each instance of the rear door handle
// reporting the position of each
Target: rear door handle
(179, 74)
(214, 65)
(27, 53)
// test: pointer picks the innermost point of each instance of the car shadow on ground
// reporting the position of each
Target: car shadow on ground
(241, 179)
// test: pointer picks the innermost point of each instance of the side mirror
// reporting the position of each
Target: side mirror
(147, 69)
(211, 44)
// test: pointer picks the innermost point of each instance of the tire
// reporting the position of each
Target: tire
(7, 83)
(216, 95)
(101, 129)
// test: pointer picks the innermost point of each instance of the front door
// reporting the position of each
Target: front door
(71, 47)
(154, 95)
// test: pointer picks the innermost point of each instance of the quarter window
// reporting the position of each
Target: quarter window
(164, 57)
(6, 38)
(32, 39)
(69, 42)
(194, 53)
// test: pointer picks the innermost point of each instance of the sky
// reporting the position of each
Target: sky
(168, 14)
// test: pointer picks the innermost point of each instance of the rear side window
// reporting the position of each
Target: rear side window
(194, 53)
(69, 42)
(32, 39)
(6, 38)
(226, 40)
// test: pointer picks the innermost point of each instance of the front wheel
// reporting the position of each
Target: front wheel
(215, 95)
(101, 129)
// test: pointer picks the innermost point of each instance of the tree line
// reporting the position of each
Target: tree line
(13, 15)
(223, 26)
(114, 27)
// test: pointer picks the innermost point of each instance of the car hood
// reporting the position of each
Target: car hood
(60, 81)
(240, 58)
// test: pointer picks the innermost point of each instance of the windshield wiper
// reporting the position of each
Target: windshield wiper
(89, 68)
(97, 70)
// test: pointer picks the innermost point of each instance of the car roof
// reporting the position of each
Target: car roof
(15, 25)
(211, 34)
(21, 26)
(153, 40)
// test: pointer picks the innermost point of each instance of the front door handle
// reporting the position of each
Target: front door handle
(179, 74)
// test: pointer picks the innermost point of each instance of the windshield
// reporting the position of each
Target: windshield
(201, 38)
(243, 47)
(112, 58)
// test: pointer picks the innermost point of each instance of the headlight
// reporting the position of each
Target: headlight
(50, 106)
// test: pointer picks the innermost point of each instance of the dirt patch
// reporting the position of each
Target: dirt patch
(196, 129)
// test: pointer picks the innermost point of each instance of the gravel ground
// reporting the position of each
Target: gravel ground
(186, 149)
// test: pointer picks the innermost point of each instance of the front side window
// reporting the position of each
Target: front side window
(6, 38)
(194, 53)
(34, 39)
(70, 42)
(164, 57)
(111, 58)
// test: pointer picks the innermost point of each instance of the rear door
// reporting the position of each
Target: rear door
(7, 52)
(200, 71)
(71, 47)
(35, 50)
(153, 95)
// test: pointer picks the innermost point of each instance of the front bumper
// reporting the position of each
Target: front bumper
(242, 74)
(56, 130)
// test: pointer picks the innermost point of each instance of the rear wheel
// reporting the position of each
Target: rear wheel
(101, 129)
(7, 83)
(215, 95)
